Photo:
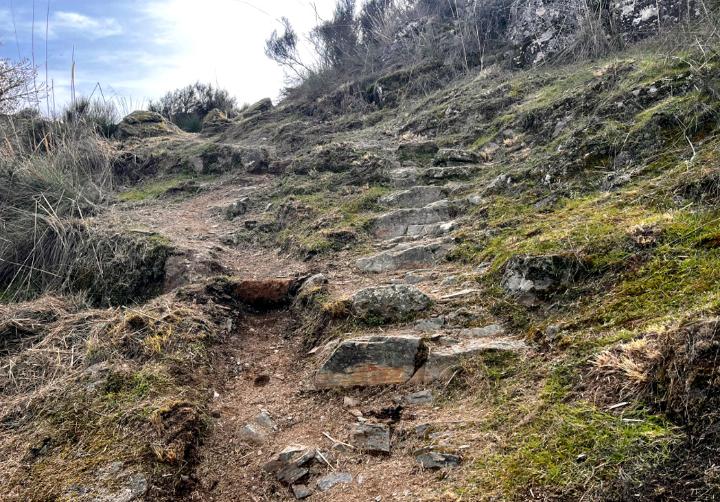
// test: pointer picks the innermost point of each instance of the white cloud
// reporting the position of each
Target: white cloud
(220, 41)
(73, 22)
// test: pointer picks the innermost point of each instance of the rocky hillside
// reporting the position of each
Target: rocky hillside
(501, 288)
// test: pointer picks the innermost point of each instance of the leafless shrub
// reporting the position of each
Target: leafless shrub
(16, 84)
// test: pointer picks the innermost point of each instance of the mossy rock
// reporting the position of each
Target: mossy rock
(144, 124)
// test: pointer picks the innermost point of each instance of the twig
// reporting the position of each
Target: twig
(336, 441)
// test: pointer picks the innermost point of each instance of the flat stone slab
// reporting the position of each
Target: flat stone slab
(372, 437)
(334, 478)
(430, 459)
(417, 196)
(405, 257)
(411, 221)
(442, 361)
(370, 361)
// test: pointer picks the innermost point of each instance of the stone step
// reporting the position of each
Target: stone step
(414, 197)
(427, 220)
(443, 361)
(406, 257)
(399, 359)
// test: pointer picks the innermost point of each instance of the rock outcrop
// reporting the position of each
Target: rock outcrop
(144, 124)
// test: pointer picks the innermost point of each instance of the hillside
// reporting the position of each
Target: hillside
(494, 284)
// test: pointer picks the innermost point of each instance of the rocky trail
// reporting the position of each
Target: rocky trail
(353, 419)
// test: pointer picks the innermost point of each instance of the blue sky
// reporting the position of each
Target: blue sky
(139, 49)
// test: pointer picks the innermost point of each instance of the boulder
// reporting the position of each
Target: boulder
(256, 160)
(428, 220)
(262, 106)
(417, 196)
(417, 149)
(534, 278)
(541, 29)
(638, 19)
(385, 304)
(405, 257)
(442, 361)
(144, 124)
(215, 121)
(370, 361)
(372, 437)
(455, 156)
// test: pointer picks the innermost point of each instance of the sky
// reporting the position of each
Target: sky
(137, 50)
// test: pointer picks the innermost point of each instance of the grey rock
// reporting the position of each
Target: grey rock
(484, 332)
(372, 437)
(237, 208)
(265, 421)
(334, 478)
(406, 256)
(414, 221)
(452, 156)
(430, 325)
(369, 361)
(417, 149)
(419, 398)
(437, 460)
(301, 491)
(417, 196)
(404, 177)
(290, 465)
(443, 361)
(262, 106)
(448, 173)
(252, 434)
(313, 285)
(384, 304)
(535, 278)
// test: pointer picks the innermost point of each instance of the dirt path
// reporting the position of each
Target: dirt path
(261, 369)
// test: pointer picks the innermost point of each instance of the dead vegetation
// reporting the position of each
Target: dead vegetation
(86, 391)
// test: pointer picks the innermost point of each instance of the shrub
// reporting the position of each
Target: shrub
(100, 116)
(187, 107)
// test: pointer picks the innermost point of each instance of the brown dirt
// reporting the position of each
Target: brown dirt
(262, 366)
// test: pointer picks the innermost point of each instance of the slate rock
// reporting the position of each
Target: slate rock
(370, 361)
(413, 221)
(334, 478)
(454, 156)
(405, 257)
(301, 491)
(430, 459)
(417, 196)
(372, 437)
(419, 398)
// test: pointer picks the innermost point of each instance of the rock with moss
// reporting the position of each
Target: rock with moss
(215, 121)
(386, 304)
(262, 106)
(532, 279)
(145, 124)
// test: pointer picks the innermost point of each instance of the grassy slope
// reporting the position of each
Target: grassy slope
(627, 184)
